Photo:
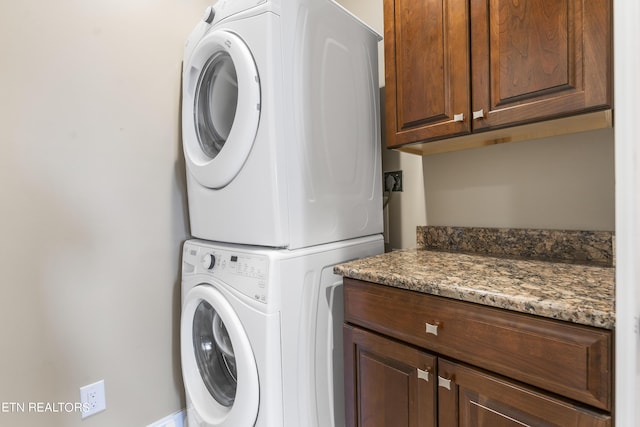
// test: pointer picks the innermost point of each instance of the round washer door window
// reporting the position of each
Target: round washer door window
(220, 372)
(220, 108)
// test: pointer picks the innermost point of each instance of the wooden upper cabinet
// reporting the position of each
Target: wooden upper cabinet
(427, 69)
(538, 59)
(492, 64)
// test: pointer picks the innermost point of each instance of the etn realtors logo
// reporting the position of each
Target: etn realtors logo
(43, 407)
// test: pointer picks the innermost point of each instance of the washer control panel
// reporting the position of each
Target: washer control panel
(244, 272)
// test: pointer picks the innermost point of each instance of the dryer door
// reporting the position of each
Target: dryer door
(220, 108)
(219, 369)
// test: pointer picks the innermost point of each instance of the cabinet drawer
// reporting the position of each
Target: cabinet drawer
(569, 359)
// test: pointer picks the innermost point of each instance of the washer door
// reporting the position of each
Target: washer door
(221, 108)
(218, 365)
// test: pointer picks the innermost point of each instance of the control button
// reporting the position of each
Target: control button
(209, 261)
(209, 14)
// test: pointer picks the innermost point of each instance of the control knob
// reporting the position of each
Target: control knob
(209, 15)
(209, 261)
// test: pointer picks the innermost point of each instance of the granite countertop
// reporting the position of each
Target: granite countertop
(577, 293)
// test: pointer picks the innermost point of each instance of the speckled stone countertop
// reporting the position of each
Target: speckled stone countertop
(582, 294)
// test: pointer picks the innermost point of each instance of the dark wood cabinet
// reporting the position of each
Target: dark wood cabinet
(426, 69)
(471, 397)
(394, 384)
(538, 59)
(455, 67)
(511, 369)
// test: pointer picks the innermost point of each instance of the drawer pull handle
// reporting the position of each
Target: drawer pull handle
(432, 328)
(423, 375)
(443, 382)
(458, 117)
(478, 114)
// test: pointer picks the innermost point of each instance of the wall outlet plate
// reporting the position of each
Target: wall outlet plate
(393, 181)
(92, 398)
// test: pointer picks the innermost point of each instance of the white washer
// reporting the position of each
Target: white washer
(280, 123)
(261, 333)
(230, 338)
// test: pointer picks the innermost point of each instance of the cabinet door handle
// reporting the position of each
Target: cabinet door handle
(432, 328)
(478, 114)
(444, 382)
(423, 375)
(458, 117)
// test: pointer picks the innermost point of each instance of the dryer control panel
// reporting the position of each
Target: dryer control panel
(246, 273)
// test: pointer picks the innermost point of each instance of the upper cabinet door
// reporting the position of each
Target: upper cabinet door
(427, 69)
(537, 59)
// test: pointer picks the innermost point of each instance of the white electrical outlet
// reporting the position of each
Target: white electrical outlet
(92, 398)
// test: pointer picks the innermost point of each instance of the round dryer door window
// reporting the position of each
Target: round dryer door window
(220, 108)
(220, 372)
(216, 99)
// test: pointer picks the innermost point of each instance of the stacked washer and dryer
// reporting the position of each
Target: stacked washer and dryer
(282, 146)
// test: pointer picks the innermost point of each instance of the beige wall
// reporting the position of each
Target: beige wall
(92, 205)
(561, 182)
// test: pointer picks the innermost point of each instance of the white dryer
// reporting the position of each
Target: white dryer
(261, 333)
(280, 124)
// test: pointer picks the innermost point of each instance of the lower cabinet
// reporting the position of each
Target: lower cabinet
(469, 397)
(390, 382)
(387, 383)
